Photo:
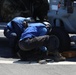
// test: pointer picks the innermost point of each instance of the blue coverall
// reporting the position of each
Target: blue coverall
(14, 29)
(34, 30)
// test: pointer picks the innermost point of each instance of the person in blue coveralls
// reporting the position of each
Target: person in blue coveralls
(13, 31)
(35, 37)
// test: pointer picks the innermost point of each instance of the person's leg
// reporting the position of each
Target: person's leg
(32, 55)
(13, 44)
(12, 38)
(31, 43)
(51, 42)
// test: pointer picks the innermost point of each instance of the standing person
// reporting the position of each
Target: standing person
(13, 31)
(35, 36)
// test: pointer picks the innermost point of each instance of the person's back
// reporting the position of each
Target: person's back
(33, 30)
(16, 25)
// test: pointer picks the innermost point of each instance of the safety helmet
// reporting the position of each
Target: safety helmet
(46, 23)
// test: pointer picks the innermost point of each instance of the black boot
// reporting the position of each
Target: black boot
(53, 46)
(58, 57)
(23, 55)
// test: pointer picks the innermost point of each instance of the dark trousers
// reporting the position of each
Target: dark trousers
(12, 38)
(31, 43)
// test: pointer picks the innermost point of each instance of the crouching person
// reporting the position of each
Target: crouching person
(13, 32)
(35, 36)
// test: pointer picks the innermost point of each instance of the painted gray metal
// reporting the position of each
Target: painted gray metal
(69, 19)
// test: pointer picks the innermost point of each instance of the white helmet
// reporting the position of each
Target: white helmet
(46, 23)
